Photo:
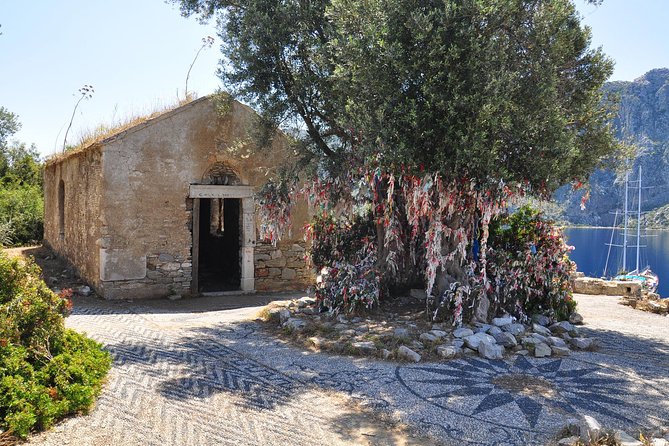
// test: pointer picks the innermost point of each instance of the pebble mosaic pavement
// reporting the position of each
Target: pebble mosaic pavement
(213, 377)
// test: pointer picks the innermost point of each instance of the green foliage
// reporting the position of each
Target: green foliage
(6, 233)
(46, 371)
(529, 265)
(516, 231)
(490, 98)
(22, 211)
(21, 202)
(483, 90)
(20, 166)
(9, 124)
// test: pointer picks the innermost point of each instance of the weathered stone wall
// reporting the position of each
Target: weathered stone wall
(165, 275)
(138, 232)
(78, 239)
(282, 267)
(591, 285)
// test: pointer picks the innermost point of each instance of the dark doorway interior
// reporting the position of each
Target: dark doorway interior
(219, 245)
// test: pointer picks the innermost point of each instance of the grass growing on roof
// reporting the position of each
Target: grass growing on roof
(92, 137)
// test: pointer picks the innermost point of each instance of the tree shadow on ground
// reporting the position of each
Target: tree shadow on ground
(232, 359)
(264, 374)
(198, 366)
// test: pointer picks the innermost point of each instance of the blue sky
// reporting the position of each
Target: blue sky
(136, 54)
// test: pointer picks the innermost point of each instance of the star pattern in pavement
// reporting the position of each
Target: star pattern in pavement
(534, 388)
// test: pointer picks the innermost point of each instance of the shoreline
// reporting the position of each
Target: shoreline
(607, 227)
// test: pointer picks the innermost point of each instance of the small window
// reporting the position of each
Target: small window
(61, 208)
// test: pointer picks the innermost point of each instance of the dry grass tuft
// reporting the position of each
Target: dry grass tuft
(7, 439)
(90, 138)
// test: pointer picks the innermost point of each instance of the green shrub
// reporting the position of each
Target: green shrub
(22, 210)
(529, 266)
(6, 233)
(46, 371)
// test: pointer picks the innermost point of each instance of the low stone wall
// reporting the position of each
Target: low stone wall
(166, 275)
(282, 267)
(591, 285)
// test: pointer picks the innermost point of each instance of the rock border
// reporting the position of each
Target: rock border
(412, 339)
(588, 431)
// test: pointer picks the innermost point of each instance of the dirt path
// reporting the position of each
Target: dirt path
(624, 332)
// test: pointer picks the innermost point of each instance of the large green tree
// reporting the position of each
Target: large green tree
(489, 89)
(457, 99)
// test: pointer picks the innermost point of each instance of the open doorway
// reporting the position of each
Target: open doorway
(219, 266)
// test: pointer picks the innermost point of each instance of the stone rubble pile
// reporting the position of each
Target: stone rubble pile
(588, 431)
(404, 338)
(648, 302)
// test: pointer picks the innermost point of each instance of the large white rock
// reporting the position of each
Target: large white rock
(539, 337)
(560, 351)
(448, 351)
(462, 332)
(514, 329)
(428, 337)
(304, 301)
(295, 324)
(581, 343)
(490, 351)
(555, 341)
(439, 334)
(540, 329)
(407, 354)
(575, 318)
(542, 350)
(561, 327)
(501, 321)
(541, 319)
(474, 340)
(589, 429)
(284, 315)
(625, 439)
(365, 347)
(529, 340)
(506, 339)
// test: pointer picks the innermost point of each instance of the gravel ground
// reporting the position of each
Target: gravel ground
(202, 372)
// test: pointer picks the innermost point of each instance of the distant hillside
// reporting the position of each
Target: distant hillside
(643, 118)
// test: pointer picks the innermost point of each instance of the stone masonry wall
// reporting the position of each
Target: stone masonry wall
(78, 238)
(165, 275)
(128, 209)
(281, 268)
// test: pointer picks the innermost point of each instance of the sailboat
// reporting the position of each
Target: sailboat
(648, 279)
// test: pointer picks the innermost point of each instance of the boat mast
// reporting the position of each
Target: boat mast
(608, 254)
(626, 216)
(638, 223)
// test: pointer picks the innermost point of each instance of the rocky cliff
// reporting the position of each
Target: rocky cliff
(642, 119)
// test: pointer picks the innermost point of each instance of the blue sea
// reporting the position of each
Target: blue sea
(590, 253)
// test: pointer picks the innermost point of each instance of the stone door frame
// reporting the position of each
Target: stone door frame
(248, 231)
